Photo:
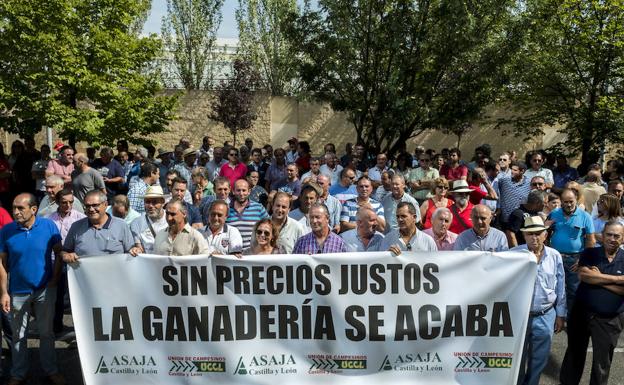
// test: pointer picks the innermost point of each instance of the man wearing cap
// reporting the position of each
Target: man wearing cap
(310, 193)
(221, 238)
(179, 238)
(481, 237)
(292, 154)
(149, 176)
(461, 208)
(392, 200)
(548, 307)
(164, 166)
(598, 310)
(365, 236)
(145, 227)
(407, 237)
(364, 189)
(185, 168)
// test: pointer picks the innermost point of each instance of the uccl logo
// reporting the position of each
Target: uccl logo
(351, 364)
(123, 363)
(497, 362)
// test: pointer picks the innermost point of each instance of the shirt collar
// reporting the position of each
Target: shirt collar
(106, 224)
(35, 223)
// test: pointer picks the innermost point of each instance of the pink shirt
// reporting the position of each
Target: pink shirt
(233, 174)
(445, 243)
(64, 223)
(57, 168)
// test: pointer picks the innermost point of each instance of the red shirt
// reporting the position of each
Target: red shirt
(303, 163)
(233, 174)
(454, 173)
(5, 217)
(456, 226)
(477, 194)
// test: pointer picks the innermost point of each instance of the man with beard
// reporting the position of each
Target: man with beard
(179, 238)
(244, 213)
(365, 236)
(145, 227)
(572, 233)
(321, 240)
(289, 229)
(462, 207)
(221, 238)
(407, 237)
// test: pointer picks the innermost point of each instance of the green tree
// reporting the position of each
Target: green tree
(234, 104)
(262, 41)
(76, 66)
(190, 31)
(570, 71)
(400, 67)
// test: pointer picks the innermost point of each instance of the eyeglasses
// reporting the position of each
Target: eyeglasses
(265, 233)
(502, 160)
(537, 184)
(442, 187)
(93, 206)
(233, 154)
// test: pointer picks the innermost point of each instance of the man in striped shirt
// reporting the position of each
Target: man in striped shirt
(350, 207)
(244, 213)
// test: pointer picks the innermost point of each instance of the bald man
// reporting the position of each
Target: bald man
(365, 236)
(85, 178)
(481, 236)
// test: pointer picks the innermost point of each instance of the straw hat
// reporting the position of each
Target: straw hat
(460, 186)
(154, 192)
(533, 224)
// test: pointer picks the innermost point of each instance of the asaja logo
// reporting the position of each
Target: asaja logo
(419, 362)
(127, 364)
(266, 364)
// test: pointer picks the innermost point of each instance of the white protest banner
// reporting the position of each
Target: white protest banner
(353, 318)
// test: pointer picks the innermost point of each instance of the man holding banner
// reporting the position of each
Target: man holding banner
(548, 308)
(321, 240)
(407, 237)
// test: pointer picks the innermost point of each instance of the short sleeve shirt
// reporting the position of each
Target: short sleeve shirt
(114, 237)
(568, 233)
(350, 208)
(596, 297)
(452, 174)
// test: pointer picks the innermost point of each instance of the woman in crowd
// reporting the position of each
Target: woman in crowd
(609, 209)
(554, 202)
(439, 199)
(404, 164)
(264, 240)
(615, 170)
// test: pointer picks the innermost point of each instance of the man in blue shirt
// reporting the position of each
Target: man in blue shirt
(598, 311)
(548, 308)
(26, 246)
(572, 232)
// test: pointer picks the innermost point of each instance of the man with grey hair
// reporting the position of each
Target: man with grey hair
(98, 233)
(333, 204)
(145, 227)
(481, 236)
(140, 156)
(85, 178)
(48, 205)
(179, 238)
(331, 168)
(440, 223)
(365, 236)
(321, 240)
(392, 200)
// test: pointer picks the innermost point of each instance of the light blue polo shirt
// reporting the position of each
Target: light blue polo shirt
(569, 233)
(29, 254)
(85, 240)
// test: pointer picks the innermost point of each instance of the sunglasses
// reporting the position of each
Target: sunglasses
(537, 184)
(263, 232)
(233, 154)
(442, 187)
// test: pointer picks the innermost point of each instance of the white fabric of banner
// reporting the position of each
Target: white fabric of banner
(352, 318)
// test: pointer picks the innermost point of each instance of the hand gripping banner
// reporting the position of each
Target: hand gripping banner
(353, 318)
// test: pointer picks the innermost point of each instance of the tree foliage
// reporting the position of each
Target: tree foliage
(570, 71)
(76, 66)
(234, 104)
(189, 32)
(262, 41)
(400, 67)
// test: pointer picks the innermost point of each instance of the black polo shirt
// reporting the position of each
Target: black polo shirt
(596, 298)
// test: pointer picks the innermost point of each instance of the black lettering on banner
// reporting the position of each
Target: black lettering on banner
(266, 320)
(501, 320)
(411, 276)
(344, 280)
(323, 287)
(198, 324)
(324, 326)
(184, 280)
(476, 325)
(375, 323)
(378, 283)
(304, 279)
(152, 331)
(257, 279)
(223, 275)
(121, 325)
(199, 280)
(288, 326)
(290, 285)
(453, 324)
(221, 324)
(241, 279)
(306, 314)
(405, 326)
(358, 333)
(245, 317)
(433, 284)
(273, 273)
(98, 329)
(171, 288)
(176, 331)
(427, 333)
(359, 281)
(394, 278)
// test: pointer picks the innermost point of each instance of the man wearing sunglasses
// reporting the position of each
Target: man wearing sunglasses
(420, 179)
(233, 169)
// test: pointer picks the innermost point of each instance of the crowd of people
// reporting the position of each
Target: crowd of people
(254, 200)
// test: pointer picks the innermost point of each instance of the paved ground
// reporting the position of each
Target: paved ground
(69, 363)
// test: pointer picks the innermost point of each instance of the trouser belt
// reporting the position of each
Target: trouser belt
(541, 312)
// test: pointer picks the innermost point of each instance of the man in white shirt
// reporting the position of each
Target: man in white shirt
(145, 227)
(222, 239)
(331, 168)
(289, 229)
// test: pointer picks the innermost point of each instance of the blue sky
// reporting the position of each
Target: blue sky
(228, 27)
